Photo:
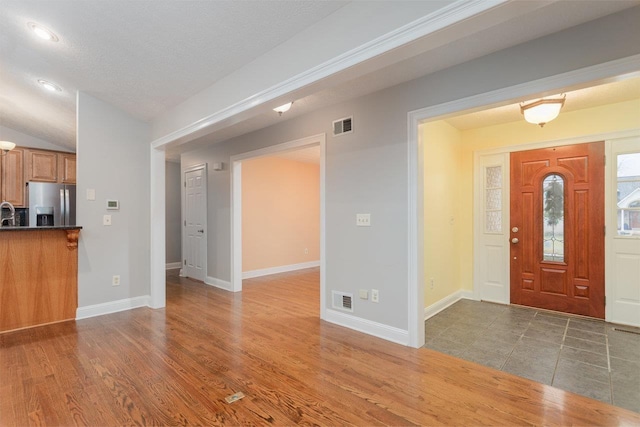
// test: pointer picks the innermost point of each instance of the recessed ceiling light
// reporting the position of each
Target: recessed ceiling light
(49, 86)
(42, 32)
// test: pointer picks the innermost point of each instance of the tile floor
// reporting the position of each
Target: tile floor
(587, 357)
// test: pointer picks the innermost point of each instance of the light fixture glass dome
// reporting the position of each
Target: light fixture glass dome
(542, 111)
(283, 108)
(7, 146)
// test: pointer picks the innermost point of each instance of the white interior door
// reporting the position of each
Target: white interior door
(491, 275)
(623, 232)
(195, 223)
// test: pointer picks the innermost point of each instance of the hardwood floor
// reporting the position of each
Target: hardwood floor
(176, 366)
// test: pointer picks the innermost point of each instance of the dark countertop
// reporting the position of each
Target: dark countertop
(58, 227)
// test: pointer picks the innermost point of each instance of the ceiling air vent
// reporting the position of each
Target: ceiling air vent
(342, 126)
(342, 301)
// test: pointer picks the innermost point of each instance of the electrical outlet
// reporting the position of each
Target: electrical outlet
(432, 282)
(106, 220)
(363, 220)
(115, 281)
(375, 296)
(364, 294)
(306, 251)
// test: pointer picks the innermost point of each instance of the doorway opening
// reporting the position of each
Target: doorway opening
(270, 233)
(481, 271)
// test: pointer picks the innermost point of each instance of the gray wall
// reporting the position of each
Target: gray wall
(366, 172)
(172, 212)
(113, 159)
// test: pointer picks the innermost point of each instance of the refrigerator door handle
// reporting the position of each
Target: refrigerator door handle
(66, 206)
(61, 207)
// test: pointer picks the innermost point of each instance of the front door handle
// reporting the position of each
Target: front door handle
(200, 231)
(515, 240)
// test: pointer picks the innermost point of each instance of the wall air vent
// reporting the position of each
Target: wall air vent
(342, 126)
(342, 301)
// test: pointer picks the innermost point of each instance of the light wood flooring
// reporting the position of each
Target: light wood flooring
(176, 366)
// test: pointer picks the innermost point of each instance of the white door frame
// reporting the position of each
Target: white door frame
(576, 79)
(204, 256)
(236, 206)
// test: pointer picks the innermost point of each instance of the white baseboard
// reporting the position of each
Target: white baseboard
(389, 333)
(218, 283)
(112, 307)
(281, 269)
(172, 265)
(445, 302)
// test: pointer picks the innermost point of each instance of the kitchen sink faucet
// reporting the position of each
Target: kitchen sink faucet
(11, 219)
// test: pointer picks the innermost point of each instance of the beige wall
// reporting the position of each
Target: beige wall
(280, 213)
(442, 155)
(604, 119)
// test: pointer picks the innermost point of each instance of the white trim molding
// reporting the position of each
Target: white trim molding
(280, 269)
(386, 332)
(173, 265)
(112, 307)
(446, 302)
(219, 283)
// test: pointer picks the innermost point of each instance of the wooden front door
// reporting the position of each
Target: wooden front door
(557, 229)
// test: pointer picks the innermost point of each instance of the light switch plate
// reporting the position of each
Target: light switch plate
(106, 220)
(91, 193)
(363, 220)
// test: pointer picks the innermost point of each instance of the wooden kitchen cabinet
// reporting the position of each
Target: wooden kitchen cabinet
(66, 168)
(12, 182)
(42, 166)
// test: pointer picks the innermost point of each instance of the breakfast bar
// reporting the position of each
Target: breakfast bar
(38, 275)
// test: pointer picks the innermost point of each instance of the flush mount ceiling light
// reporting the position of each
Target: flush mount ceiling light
(542, 111)
(49, 86)
(42, 32)
(283, 108)
(6, 146)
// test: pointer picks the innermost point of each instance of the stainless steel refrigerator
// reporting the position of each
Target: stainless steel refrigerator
(51, 204)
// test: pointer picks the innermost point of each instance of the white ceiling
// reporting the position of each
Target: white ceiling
(140, 56)
(146, 57)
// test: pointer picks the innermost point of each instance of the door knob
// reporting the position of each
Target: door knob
(200, 231)
(515, 240)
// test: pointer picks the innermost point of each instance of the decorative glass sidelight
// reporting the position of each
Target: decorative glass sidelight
(553, 218)
(493, 199)
(628, 192)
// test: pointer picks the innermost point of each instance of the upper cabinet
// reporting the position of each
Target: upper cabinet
(50, 166)
(42, 166)
(66, 168)
(22, 165)
(12, 181)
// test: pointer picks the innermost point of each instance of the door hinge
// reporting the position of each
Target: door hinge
(605, 230)
(185, 184)
(185, 262)
(605, 159)
(185, 222)
(605, 300)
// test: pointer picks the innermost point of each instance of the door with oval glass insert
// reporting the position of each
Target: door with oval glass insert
(557, 228)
